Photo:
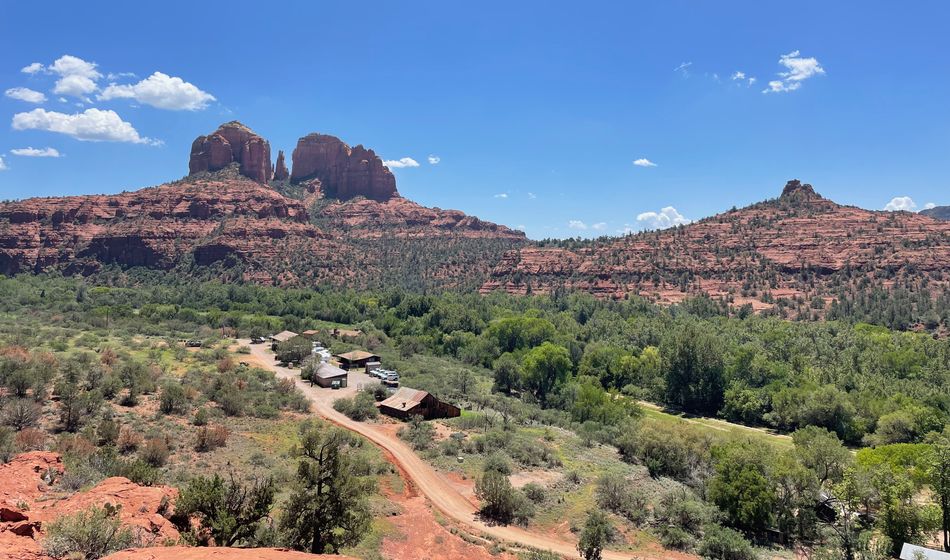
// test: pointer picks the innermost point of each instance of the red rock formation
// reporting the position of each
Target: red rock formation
(280, 169)
(344, 172)
(232, 142)
(210, 219)
(797, 245)
(218, 553)
(28, 502)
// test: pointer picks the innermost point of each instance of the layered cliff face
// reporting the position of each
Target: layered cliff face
(343, 172)
(280, 168)
(797, 246)
(202, 220)
(232, 143)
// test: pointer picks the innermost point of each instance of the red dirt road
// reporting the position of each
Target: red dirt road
(431, 484)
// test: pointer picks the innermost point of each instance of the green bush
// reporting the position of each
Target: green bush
(360, 407)
(722, 543)
(88, 534)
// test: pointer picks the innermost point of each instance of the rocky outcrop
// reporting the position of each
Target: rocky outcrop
(232, 143)
(343, 172)
(29, 500)
(218, 553)
(280, 168)
(799, 247)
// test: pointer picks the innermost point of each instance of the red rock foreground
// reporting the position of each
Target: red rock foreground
(28, 502)
(189, 553)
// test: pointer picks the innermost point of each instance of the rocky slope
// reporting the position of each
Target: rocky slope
(29, 499)
(342, 221)
(937, 212)
(799, 245)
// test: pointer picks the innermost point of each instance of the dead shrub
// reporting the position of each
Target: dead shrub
(30, 439)
(129, 440)
(209, 438)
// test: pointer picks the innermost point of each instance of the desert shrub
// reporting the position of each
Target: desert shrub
(209, 438)
(676, 451)
(30, 439)
(418, 433)
(614, 493)
(21, 413)
(231, 400)
(155, 451)
(107, 431)
(230, 512)
(360, 407)
(201, 417)
(173, 399)
(500, 501)
(680, 509)
(534, 492)
(722, 543)
(88, 534)
(7, 446)
(497, 462)
(129, 440)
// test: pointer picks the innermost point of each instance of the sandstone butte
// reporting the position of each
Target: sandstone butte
(28, 501)
(225, 213)
(742, 254)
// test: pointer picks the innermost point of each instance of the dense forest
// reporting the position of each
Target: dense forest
(592, 367)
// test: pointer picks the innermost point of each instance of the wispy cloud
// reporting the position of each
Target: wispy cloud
(665, 218)
(683, 68)
(25, 94)
(643, 162)
(930, 205)
(501, 195)
(577, 224)
(401, 163)
(901, 203)
(3, 166)
(532, 196)
(434, 160)
(36, 152)
(599, 226)
(798, 69)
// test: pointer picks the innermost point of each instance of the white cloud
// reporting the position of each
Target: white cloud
(665, 218)
(899, 203)
(25, 94)
(92, 125)
(929, 205)
(599, 226)
(434, 160)
(75, 85)
(111, 76)
(521, 227)
(32, 68)
(752, 81)
(68, 65)
(737, 75)
(532, 196)
(683, 67)
(36, 152)
(576, 224)
(798, 69)
(643, 162)
(501, 195)
(400, 163)
(161, 91)
(3, 166)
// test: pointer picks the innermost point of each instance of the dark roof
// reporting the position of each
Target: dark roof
(356, 355)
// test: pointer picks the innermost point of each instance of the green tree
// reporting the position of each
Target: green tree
(595, 535)
(939, 479)
(328, 507)
(501, 502)
(821, 451)
(694, 371)
(507, 373)
(545, 369)
(741, 487)
(230, 511)
(293, 350)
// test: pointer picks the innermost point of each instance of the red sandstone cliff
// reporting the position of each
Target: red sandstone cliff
(343, 172)
(232, 143)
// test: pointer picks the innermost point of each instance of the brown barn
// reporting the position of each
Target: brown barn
(356, 359)
(406, 403)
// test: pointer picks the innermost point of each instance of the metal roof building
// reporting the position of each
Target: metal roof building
(407, 402)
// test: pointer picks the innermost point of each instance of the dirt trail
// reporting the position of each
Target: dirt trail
(431, 484)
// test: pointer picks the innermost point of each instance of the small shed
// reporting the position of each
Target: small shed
(283, 336)
(327, 374)
(346, 333)
(356, 359)
(311, 334)
(406, 402)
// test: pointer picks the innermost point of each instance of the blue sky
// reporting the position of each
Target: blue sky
(537, 111)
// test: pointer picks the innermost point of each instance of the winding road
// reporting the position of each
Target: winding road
(429, 482)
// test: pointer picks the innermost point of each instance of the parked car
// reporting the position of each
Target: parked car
(193, 343)
(257, 340)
